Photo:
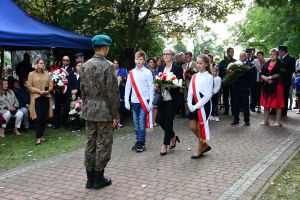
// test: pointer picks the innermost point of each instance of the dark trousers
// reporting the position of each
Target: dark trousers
(41, 109)
(75, 122)
(240, 99)
(226, 90)
(181, 105)
(255, 95)
(215, 103)
(122, 111)
(286, 92)
(165, 117)
(61, 102)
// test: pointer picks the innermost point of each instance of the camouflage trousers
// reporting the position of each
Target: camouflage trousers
(98, 146)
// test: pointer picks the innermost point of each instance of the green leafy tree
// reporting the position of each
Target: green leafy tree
(131, 23)
(268, 26)
(180, 47)
(206, 39)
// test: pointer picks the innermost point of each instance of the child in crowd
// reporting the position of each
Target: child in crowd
(74, 114)
(140, 80)
(215, 97)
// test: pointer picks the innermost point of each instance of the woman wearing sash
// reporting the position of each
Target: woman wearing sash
(167, 107)
(199, 103)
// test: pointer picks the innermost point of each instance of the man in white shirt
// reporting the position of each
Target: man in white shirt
(140, 80)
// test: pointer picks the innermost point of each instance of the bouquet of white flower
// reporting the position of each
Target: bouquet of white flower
(60, 81)
(167, 80)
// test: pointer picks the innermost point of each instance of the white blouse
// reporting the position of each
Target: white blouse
(204, 85)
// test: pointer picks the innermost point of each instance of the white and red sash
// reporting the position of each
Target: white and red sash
(202, 134)
(148, 119)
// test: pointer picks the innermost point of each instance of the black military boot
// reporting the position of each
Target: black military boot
(100, 181)
(90, 179)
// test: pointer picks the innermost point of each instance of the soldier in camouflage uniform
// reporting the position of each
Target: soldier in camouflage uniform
(99, 92)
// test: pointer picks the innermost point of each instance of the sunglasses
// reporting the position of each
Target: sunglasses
(65, 60)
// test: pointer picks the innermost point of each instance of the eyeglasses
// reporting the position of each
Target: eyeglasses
(65, 60)
(167, 54)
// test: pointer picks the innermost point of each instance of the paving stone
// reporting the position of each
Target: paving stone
(235, 151)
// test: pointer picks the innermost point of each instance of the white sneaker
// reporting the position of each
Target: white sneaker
(217, 119)
(212, 118)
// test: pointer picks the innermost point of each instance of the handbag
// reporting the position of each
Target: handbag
(157, 99)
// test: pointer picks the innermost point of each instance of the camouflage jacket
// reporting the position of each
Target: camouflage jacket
(99, 90)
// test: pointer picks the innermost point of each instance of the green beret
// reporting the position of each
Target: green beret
(101, 40)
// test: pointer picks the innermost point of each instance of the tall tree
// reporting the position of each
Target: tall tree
(180, 47)
(268, 25)
(131, 23)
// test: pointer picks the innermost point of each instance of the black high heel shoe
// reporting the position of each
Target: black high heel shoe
(174, 145)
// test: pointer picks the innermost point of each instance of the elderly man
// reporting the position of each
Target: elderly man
(99, 92)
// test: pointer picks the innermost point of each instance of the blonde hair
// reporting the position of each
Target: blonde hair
(141, 54)
(274, 50)
(173, 52)
(36, 61)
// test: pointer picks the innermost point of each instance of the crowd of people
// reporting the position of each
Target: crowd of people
(254, 85)
(108, 89)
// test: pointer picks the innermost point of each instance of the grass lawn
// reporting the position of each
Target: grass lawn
(17, 150)
(287, 185)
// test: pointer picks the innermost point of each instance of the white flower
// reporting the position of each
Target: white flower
(72, 112)
(238, 62)
(175, 82)
(60, 83)
(180, 83)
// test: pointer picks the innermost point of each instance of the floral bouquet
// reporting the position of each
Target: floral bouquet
(60, 81)
(167, 80)
(234, 71)
(189, 73)
(76, 107)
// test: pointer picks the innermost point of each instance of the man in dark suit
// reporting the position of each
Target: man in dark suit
(286, 73)
(240, 92)
(62, 100)
(226, 88)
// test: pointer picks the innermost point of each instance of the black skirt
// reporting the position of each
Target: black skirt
(207, 108)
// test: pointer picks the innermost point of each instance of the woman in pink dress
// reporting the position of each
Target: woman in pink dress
(272, 88)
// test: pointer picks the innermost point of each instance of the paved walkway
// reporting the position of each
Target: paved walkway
(242, 161)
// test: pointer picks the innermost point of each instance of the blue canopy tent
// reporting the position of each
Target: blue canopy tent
(18, 30)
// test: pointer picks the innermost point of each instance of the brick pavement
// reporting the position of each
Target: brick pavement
(229, 169)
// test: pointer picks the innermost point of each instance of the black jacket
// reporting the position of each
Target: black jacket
(244, 82)
(23, 97)
(288, 69)
(75, 84)
(270, 89)
(178, 72)
(223, 66)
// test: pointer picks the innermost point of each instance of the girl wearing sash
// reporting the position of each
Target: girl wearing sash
(140, 83)
(170, 99)
(199, 103)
